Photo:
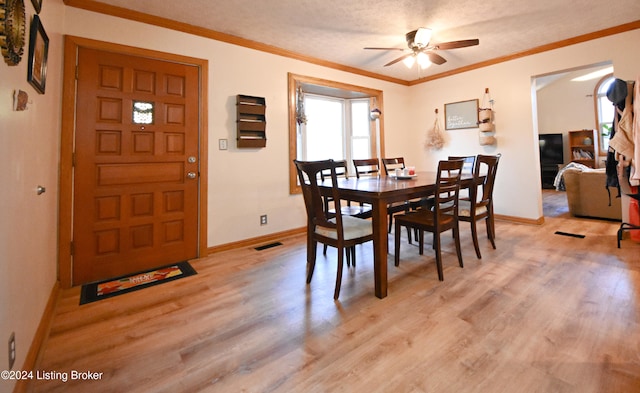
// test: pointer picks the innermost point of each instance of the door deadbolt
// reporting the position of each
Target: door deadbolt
(192, 159)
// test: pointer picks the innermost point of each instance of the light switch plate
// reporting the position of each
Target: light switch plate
(222, 144)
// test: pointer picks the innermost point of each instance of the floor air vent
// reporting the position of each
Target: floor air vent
(570, 234)
(271, 245)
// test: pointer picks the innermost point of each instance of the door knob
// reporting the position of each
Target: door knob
(191, 175)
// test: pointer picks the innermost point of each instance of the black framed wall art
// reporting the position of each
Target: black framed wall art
(38, 52)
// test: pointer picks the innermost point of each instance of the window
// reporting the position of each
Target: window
(336, 128)
(360, 130)
(604, 112)
(342, 129)
(142, 112)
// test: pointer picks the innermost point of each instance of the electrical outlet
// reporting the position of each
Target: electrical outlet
(263, 219)
(12, 350)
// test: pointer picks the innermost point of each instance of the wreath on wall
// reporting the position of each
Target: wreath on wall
(12, 30)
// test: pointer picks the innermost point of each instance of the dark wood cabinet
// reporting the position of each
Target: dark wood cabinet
(251, 121)
(583, 147)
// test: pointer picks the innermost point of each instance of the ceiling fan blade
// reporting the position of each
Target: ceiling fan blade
(385, 48)
(457, 44)
(435, 58)
(398, 59)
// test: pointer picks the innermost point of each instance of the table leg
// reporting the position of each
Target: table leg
(380, 246)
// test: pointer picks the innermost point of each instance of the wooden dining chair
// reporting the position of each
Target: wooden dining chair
(442, 217)
(358, 209)
(479, 205)
(367, 167)
(469, 163)
(391, 164)
(355, 209)
(467, 168)
(371, 167)
(337, 230)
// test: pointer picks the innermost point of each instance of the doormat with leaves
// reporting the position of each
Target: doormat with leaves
(117, 286)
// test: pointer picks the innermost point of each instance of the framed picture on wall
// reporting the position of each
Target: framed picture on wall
(459, 115)
(38, 52)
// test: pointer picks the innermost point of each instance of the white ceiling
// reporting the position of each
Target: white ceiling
(338, 30)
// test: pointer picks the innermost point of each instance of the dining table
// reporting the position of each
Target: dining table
(380, 191)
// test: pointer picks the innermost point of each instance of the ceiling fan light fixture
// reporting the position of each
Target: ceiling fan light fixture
(423, 60)
(422, 37)
(421, 51)
(409, 61)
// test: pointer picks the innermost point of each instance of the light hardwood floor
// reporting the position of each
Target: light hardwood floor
(554, 203)
(542, 313)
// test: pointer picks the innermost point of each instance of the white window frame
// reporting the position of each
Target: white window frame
(348, 137)
(337, 89)
(303, 154)
(352, 137)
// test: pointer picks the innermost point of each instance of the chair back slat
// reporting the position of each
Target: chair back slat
(486, 166)
(341, 170)
(469, 163)
(448, 187)
(309, 172)
(391, 164)
(367, 167)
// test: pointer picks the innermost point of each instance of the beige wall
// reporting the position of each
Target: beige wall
(29, 145)
(244, 184)
(518, 185)
(565, 105)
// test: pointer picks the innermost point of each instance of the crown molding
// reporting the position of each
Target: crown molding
(124, 13)
(103, 8)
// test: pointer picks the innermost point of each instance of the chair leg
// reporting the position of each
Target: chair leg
(353, 256)
(324, 249)
(492, 219)
(390, 221)
(396, 256)
(436, 241)
(456, 236)
(410, 236)
(491, 232)
(336, 292)
(406, 210)
(348, 253)
(420, 242)
(474, 235)
(311, 259)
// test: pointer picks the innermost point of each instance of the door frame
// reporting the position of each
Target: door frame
(67, 139)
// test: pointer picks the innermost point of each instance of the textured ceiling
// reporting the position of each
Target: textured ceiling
(338, 30)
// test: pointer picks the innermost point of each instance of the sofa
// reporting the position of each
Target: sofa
(588, 196)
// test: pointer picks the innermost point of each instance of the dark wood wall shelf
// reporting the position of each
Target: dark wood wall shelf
(251, 121)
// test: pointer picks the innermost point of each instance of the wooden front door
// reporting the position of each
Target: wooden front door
(136, 176)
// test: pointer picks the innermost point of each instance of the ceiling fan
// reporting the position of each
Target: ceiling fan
(422, 51)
